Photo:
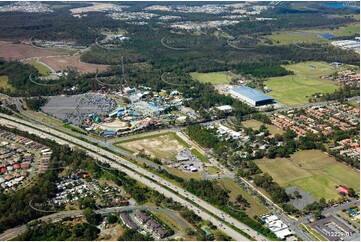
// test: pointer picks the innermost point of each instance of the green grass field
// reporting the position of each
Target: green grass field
(168, 220)
(288, 38)
(176, 172)
(214, 78)
(212, 170)
(235, 190)
(43, 70)
(312, 36)
(355, 104)
(4, 83)
(255, 124)
(296, 89)
(313, 171)
(199, 155)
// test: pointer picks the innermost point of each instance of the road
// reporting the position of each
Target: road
(12, 233)
(205, 210)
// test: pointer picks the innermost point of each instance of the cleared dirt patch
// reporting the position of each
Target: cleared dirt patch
(95, 8)
(63, 62)
(162, 147)
(10, 51)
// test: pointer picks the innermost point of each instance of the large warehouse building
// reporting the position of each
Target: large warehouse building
(251, 96)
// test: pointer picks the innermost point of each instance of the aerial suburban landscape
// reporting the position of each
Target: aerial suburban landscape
(182, 121)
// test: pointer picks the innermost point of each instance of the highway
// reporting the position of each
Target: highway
(138, 173)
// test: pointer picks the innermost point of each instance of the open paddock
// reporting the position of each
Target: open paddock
(255, 124)
(11, 51)
(63, 62)
(97, 7)
(310, 36)
(185, 175)
(215, 78)
(313, 171)
(296, 89)
(164, 146)
(256, 207)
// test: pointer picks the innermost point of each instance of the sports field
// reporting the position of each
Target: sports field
(164, 146)
(298, 88)
(255, 124)
(235, 190)
(313, 171)
(215, 78)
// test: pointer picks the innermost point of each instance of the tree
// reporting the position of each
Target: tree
(111, 218)
(317, 213)
(91, 216)
(351, 192)
(289, 208)
(323, 202)
(87, 202)
(297, 194)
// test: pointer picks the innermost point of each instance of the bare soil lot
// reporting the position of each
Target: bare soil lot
(63, 62)
(56, 59)
(10, 51)
(163, 146)
(97, 7)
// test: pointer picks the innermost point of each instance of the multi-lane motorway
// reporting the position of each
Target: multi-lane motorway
(200, 207)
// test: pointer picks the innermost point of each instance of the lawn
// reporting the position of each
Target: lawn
(298, 88)
(215, 78)
(174, 225)
(43, 70)
(176, 172)
(212, 170)
(162, 146)
(235, 190)
(288, 38)
(199, 155)
(255, 124)
(305, 69)
(313, 171)
(355, 104)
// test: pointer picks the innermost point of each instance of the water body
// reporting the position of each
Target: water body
(327, 35)
(340, 5)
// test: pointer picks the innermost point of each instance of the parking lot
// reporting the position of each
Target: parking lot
(74, 109)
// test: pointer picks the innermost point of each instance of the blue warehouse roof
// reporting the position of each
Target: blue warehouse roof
(251, 93)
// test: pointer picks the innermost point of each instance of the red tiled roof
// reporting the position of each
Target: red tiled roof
(25, 165)
(343, 189)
